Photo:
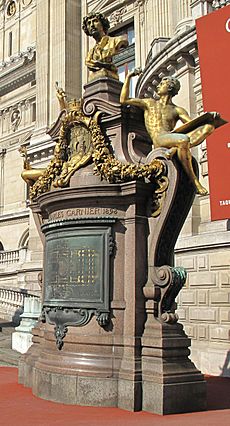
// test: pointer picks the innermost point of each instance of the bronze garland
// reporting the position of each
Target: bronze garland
(105, 164)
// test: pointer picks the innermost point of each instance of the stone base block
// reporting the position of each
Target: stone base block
(21, 342)
(130, 395)
(67, 389)
(101, 392)
(173, 398)
(54, 387)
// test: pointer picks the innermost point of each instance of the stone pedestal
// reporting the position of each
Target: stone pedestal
(170, 381)
(98, 363)
(104, 88)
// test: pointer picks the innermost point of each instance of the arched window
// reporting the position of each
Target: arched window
(1, 247)
(23, 242)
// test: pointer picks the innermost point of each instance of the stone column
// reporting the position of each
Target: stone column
(185, 19)
(141, 47)
(2, 155)
(65, 51)
(163, 16)
(184, 9)
(58, 58)
(42, 70)
(2, 34)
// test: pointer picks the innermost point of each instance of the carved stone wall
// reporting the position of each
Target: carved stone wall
(18, 270)
(204, 303)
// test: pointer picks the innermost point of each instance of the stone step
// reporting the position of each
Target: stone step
(8, 356)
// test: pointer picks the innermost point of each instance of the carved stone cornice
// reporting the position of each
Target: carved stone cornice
(40, 153)
(20, 217)
(16, 72)
(108, 7)
(23, 103)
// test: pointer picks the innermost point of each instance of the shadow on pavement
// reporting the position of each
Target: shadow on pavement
(218, 393)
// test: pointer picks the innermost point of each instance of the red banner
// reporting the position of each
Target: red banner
(213, 33)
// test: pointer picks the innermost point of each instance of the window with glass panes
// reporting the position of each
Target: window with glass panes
(125, 60)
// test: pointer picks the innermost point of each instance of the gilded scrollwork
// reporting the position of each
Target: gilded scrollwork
(80, 153)
(81, 142)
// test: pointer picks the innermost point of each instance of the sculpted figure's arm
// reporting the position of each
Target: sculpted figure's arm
(93, 65)
(60, 93)
(124, 97)
(183, 115)
(119, 42)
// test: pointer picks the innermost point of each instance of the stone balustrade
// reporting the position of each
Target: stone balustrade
(12, 303)
(8, 257)
(11, 297)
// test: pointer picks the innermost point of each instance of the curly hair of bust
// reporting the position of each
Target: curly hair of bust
(174, 85)
(103, 20)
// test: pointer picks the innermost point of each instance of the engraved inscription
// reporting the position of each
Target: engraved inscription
(86, 211)
(85, 267)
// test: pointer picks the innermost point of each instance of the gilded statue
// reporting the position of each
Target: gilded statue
(161, 116)
(99, 60)
(29, 174)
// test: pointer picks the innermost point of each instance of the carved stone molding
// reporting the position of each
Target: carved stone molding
(26, 3)
(117, 16)
(139, 2)
(16, 73)
(20, 57)
(2, 5)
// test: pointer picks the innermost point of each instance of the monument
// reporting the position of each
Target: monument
(109, 209)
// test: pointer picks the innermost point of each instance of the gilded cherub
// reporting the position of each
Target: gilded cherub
(161, 116)
(100, 58)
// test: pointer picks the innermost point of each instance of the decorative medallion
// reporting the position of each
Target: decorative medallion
(11, 9)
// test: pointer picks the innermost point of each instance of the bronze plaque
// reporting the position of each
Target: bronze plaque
(77, 266)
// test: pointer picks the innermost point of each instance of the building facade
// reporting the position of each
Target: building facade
(41, 42)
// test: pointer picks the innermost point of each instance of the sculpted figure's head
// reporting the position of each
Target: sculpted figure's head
(95, 24)
(168, 85)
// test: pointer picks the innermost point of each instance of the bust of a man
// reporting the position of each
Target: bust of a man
(100, 58)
